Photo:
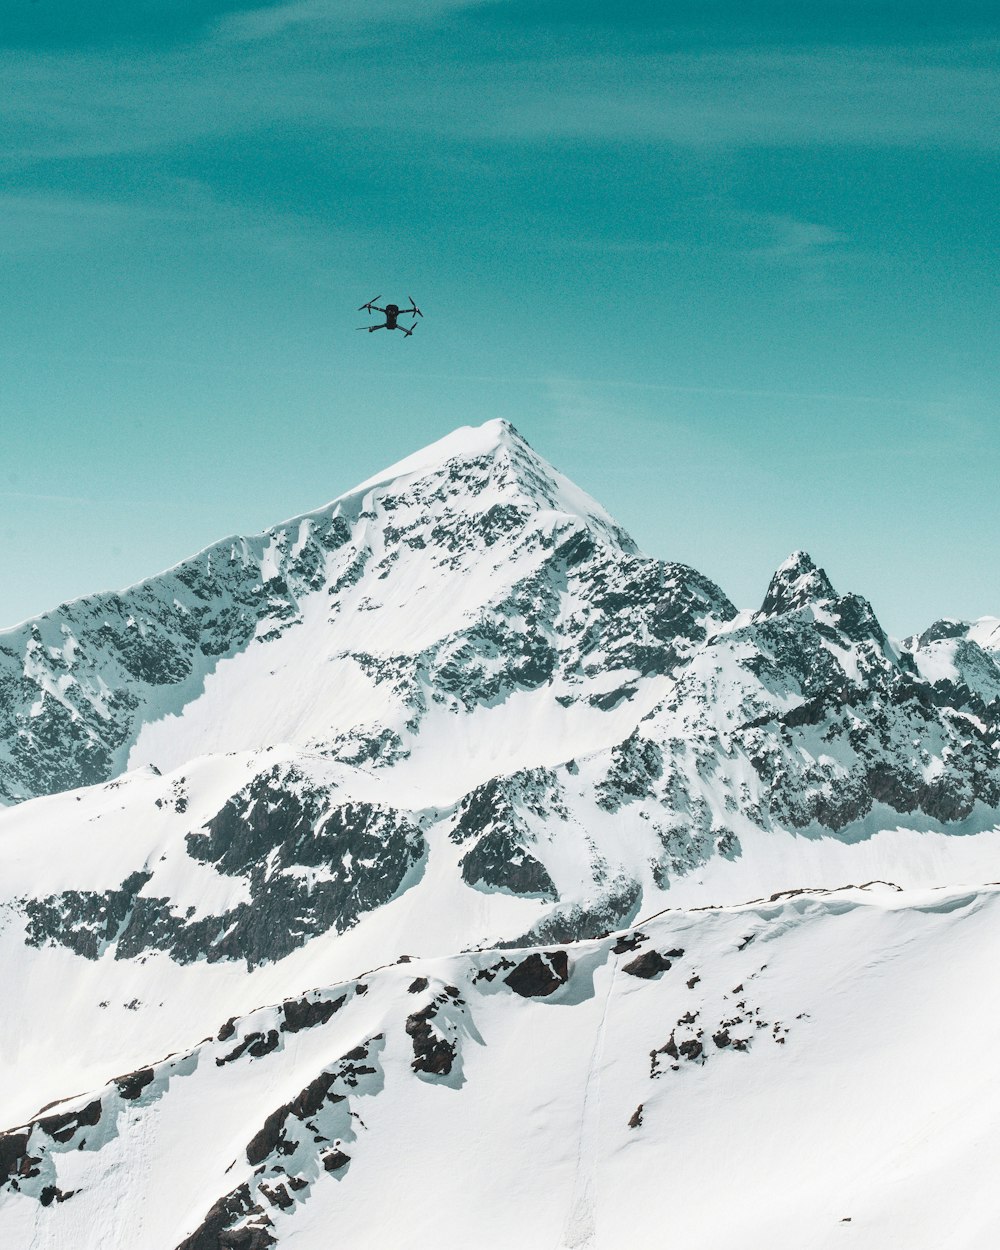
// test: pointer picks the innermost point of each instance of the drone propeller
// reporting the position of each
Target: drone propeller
(414, 308)
(368, 306)
(410, 330)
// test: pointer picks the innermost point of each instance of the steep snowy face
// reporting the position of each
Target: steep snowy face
(986, 633)
(466, 575)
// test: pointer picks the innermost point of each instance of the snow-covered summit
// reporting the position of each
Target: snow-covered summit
(447, 573)
(516, 474)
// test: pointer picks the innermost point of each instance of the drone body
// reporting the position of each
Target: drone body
(392, 313)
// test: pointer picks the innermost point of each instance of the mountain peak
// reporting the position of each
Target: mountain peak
(468, 442)
(797, 583)
(478, 466)
(943, 629)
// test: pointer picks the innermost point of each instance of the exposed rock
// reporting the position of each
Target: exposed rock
(216, 1231)
(432, 1053)
(266, 834)
(490, 973)
(629, 942)
(647, 965)
(305, 1013)
(13, 1154)
(635, 766)
(797, 584)
(83, 921)
(52, 1193)
(65, 1126)
(499, 861)
(256, 1045)
(539, 974)
(132, 1085)
(498, 815)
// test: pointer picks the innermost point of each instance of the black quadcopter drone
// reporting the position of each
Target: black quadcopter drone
(391, 312)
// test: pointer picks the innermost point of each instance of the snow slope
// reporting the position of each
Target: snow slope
(785, 1074)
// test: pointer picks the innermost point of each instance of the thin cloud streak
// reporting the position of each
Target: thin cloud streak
(253, 25)
(183, 213)
(771, 98)
(76, 105)
(36, 497)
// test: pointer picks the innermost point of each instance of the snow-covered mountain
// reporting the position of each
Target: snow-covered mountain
(455, 727)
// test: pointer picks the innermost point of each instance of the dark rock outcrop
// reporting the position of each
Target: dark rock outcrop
(539, 975)
(266, 834)
(433, 1054)
(647, 965)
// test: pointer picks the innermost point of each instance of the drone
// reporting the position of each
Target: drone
(392, 312)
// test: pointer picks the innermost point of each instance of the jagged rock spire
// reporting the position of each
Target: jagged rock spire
(796, 584)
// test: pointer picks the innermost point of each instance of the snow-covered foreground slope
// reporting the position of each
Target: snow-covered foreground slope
(796, 1073)
(456, 718)
(133, 916)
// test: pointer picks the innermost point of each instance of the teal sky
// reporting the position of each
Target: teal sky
(732, 266)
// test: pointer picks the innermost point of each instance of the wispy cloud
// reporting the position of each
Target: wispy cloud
(770, 98)
(184, 213)
(790, 241)
(252, 25)
(771, 238)
(25, 496)
(573, 390)
(807, 250)
(255, 70)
